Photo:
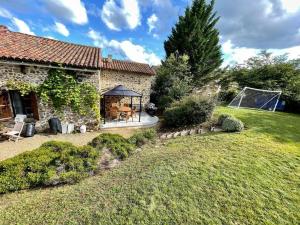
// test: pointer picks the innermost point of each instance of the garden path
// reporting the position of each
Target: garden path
(11, 149)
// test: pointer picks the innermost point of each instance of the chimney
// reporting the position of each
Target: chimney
(3, 28)
(109, 58)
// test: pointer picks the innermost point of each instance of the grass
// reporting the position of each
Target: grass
(247, 178)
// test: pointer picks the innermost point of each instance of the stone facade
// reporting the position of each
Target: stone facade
(103, 81)
(140, 83)
(37, 75)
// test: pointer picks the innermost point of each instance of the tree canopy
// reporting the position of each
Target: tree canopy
(195, 35)
(173, 81)
(266, 71)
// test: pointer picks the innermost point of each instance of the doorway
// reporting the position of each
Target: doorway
(25, 105)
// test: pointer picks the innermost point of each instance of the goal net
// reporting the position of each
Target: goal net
(256, 99)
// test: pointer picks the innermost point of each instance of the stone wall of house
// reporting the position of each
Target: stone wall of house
(36, 75)
(140, 83)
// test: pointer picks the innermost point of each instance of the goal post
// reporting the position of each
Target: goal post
(256, 99)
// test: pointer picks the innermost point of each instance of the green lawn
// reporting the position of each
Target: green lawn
(247, 178)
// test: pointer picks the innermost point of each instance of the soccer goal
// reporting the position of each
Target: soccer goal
(256, 99)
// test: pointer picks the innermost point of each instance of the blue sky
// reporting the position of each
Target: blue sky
(136, 29)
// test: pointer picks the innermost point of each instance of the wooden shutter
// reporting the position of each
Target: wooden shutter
(5, 107)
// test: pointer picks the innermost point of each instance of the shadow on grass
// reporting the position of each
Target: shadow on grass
(283, 127)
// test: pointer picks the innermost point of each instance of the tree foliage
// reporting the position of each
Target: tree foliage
(173, 81)
(267, 72)
(195, 35)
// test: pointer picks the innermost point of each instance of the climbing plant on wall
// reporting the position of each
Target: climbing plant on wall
(62, 89)
(23, 87)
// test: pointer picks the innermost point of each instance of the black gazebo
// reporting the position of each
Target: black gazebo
(121, 91)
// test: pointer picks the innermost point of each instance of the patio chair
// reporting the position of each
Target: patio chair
(15, 133)
(114, 114)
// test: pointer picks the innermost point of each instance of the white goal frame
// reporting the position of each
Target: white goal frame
(240, 95)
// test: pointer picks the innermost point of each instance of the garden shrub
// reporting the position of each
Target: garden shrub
(51, 164)
(231, 124)
(221, 118)
(191, 110)
(118, 145)
(143, 137)
(172, 81)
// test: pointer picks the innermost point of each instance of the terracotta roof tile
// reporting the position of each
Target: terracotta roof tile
(28, 48)
(121, 65)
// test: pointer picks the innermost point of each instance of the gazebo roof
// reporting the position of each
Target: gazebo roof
(121, 90)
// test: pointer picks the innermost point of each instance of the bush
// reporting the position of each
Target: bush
(222, 117)
(143, 137)
(51, 164)
(231, 124)
(118, 145)
(228, 95)
(172, 81)
(192, 109)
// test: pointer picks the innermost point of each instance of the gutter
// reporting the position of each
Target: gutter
(47, 66)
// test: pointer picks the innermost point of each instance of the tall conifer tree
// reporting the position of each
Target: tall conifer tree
(195, 35)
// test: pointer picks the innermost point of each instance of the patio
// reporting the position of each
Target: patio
(122, 107)
(145, 121)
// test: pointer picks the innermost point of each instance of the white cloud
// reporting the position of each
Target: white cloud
(98, 39)
(5, 13)
(62, 29)
(70, 10)
(260, 24)
(135, 52)
(291, 6)
(50, 37)
(238, 55)
(21, 26)
(18, 24)
(293, 52)
(125, 48)
(166, 14)
(121, 14)
(152, 21)
(233, 55)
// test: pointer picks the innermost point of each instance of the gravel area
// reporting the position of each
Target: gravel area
(10, 149)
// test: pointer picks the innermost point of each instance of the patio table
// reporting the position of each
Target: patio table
(124, 109)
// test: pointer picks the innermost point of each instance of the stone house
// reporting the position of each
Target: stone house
(28, 58)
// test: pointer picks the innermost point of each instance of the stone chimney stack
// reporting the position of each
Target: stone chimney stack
(3, 28)
(109, 58)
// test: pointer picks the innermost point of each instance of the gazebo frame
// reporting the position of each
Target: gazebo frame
(121, 91)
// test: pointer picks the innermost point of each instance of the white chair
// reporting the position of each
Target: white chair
(20, 118)
(15, 133)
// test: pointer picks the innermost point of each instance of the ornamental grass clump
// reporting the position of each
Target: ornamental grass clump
(51, 164)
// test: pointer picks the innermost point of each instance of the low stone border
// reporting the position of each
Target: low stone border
(188, 132)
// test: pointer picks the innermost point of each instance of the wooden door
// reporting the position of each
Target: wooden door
(5, 108)
(34, 106)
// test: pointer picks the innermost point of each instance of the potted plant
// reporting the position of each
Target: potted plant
(151, 109)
